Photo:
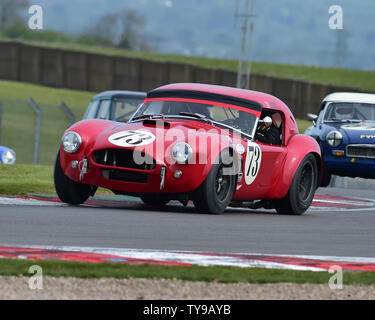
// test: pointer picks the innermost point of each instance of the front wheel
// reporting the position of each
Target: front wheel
(70, 191)
(326, 174)
(216, 192)
(302, 189)
(326, 177)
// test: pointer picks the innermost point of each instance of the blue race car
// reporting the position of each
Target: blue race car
(345, 131)
(7, 155)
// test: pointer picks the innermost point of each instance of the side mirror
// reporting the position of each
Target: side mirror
(312, 117)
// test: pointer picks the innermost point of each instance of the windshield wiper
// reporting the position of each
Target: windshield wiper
(192, 114)
(147, 116)
(196, 115)
(342, 120)
(333, 120)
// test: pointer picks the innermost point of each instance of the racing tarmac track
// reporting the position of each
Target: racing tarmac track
(319, 232)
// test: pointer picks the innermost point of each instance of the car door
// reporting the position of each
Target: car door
(271, 163)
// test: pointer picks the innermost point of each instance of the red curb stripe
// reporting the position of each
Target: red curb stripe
(48, 254)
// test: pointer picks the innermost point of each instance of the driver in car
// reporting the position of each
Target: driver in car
(344, 112)
(267, 132)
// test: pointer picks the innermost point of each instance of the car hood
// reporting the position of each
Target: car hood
(148, 134)
(359, 133)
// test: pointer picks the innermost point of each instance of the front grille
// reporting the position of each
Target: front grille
(361, 151)
(122, 175)
(124, 158)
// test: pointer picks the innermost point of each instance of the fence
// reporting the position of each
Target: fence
(33, 130)
(94, 72)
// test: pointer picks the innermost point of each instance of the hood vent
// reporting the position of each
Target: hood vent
(156, 123)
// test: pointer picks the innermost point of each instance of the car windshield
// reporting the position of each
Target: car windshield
(227, 116)
(345, 112)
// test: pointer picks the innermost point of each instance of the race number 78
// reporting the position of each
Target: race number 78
(253, 161)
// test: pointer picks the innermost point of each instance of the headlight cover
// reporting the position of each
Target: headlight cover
(8, 157)
(334, 138)
(71, 141)
(182, 152)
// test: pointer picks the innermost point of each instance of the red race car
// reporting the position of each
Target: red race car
(214, 145)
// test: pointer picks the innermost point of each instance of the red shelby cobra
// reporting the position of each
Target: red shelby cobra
(213, 145)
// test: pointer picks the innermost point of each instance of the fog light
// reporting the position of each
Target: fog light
(177, 174)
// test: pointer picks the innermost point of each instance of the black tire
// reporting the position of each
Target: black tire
(216, 192)
(326, 174)
(326, 177)
(154, 200)
(68, 190)
(302, 189)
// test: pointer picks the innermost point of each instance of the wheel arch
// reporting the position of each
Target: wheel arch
(298, 148)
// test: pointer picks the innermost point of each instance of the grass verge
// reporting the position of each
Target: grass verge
(9, 267)
(20, 179)
(23, 179)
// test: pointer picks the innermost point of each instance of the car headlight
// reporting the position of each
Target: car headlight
(334, 138)
(182, 152)
(71, 141)
(8, 157)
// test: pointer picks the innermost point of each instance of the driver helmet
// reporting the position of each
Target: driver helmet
(344, 112)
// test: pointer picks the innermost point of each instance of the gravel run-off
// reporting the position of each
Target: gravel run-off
(68, 288)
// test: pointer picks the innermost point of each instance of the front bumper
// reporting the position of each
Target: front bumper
(350, 166)
(130, 180)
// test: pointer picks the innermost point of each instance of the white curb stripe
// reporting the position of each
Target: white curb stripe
(203, 259)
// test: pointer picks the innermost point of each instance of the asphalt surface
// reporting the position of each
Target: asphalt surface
(332, 233)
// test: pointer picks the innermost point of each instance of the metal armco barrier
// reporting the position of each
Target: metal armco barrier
(69, 113)
(37, 129)
(1, 119)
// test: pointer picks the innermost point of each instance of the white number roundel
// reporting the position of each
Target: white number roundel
(252, 163)
(131, 138)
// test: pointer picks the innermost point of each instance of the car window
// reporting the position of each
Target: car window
(276, 119)
(91, 109)
(154, 108)
(343, 111)
(103, 111)
(123, 109)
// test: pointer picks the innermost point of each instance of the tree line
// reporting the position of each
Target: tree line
(123, 29)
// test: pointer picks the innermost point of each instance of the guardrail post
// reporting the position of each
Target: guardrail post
(68, 112)
(37, 129)
(1, 119)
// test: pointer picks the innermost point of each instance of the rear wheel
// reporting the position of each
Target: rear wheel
(216, 192)
(70, 191)
(302, 189)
